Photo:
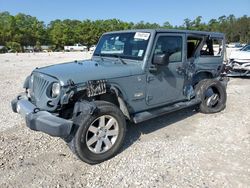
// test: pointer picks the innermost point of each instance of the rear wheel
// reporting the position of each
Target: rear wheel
(100, 136)
(212, 94)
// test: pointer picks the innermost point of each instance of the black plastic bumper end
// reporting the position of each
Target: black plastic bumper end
(46, 122)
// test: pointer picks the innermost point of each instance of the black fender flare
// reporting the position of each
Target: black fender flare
(122, 104)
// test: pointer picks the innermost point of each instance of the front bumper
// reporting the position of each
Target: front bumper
(41, 120)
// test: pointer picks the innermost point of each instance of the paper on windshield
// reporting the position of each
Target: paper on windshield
(140, 53)
(141, 35)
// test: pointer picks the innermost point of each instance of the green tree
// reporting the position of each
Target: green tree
(167, 25)
(59, 35)
(188, 24)
(28, 30)
(147, 25)
(213, 25)
(25, 30)
(7, 23)
(15, 46)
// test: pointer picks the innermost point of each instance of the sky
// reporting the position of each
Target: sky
(153, 11)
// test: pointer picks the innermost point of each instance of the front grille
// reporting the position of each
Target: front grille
(39, 86)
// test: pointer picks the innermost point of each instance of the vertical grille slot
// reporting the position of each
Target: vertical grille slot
(39, 86)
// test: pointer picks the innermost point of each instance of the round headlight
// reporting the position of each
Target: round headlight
(55, 91)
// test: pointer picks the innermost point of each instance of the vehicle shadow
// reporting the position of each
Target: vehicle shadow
(134, 131)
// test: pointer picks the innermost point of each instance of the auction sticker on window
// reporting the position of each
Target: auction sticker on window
(140, 53)
(141, 35)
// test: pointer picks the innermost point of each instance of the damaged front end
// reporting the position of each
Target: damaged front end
(236, 68)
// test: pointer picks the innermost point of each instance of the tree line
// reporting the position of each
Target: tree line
(18, 31)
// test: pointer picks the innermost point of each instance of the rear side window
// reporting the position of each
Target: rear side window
(171, 45)
(212, 47)
(192, 45)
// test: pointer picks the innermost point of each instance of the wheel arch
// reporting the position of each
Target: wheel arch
(201, 75)
(115, 96)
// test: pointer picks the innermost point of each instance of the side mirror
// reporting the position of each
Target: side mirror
(161, 59)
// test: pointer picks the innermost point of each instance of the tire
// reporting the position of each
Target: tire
(101, 149)
(212, 94)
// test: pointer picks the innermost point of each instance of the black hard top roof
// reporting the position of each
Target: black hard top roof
(214, 34)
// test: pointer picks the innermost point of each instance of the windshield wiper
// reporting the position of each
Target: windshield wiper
(100, 55)
(113, 55)
(120, 59)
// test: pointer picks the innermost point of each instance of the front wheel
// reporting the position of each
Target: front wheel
(100, 136)
(212, 94)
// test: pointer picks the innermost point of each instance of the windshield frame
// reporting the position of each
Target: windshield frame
(119, 55)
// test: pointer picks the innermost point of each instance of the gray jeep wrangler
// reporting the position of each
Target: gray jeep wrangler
(133, 75)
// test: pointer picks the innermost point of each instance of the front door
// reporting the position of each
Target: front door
(165, 83)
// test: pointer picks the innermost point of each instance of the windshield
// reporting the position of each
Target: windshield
(246, 48)
(131, 45)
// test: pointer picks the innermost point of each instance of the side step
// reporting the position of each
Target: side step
(146, 115)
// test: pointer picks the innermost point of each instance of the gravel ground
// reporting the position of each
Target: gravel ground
(182, 149)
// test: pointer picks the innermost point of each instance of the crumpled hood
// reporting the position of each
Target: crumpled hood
(83, 71)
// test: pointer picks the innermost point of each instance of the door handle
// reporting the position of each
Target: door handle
(152, 69)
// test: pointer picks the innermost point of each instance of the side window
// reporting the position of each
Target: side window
(192, 45)
(212, 47)
(171, 45)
